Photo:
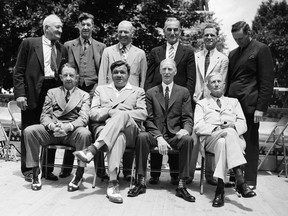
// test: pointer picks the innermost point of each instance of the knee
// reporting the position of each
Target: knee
(220, 143)
(188, 140)
(122, 116)
(121, 138)
(83, 133)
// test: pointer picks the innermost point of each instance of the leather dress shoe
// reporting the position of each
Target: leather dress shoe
(113, 194)
(154, 180)
(213, 182)
(74, 184)
(245, 190)
(218, 200)
(36, 181)
(174, 181)
(51, 177)
(138, 189)
(28, 177)
(183, 193)
(85, 156)
(63, 174)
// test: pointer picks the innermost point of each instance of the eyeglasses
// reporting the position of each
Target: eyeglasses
(211, 35)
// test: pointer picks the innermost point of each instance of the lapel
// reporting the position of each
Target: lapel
(201, 62)
(76, 50)
(174, 95)
(116, 53)
(211, 103)
(39, 51)
(122, 97)
(180, 52)
(96, 53)
(60, 100)
(214, 59)
(162, 52)
(132, 55)
(160, 96)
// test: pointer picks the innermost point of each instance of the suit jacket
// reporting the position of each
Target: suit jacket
(136, 59)
(208, 115)
(185, 62)
(179, 114)
(251, 76)
(76, 111)
(74, 47)
(29, 74)
(218, 64)
(130, 100)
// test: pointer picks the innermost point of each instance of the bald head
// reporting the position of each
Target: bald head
(125, 32)
(52, 27)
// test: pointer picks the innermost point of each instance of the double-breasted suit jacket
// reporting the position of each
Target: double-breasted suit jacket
(185, 63)
(136, 59)
(74, 48)
(29, 74)
(218, 64)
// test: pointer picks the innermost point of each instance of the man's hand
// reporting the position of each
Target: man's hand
(181, 133)
(258, 116)
(113, 112)
(227, 125)
(22, 103)
(163, 146)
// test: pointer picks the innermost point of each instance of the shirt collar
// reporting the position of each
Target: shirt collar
(169, 86)
(175, 46)
(215, 98)
(46, 41)
(128, 46)
(211, 51)
(128, 86)
(89, 40)
(71, 90)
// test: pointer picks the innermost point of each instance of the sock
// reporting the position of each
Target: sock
(141, 179)
(92, 149)
(79, 173)
(182, 183)
(239, 175)
(112, 183)
(220, 186)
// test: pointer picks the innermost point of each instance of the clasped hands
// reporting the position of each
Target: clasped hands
(60, 129)
(163, 145)
(224, 125)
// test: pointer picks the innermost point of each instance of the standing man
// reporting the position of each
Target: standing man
(207, 61)
(169, 125)
(85, 53)
(250, 80)
(186, 77)
(119, 109)
(63, 120)
(36, 71)
(135, 58)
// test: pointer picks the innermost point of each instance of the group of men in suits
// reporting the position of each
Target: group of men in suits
(120, 73)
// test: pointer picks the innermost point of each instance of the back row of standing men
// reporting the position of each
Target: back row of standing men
(249, 74)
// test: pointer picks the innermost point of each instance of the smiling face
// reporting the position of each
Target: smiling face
(210, 38)
(168, 71)
(172, 31)
(216, 85)
(53, 28)
(120, 76)
(125, 32)
(241, 38)
(69, 77)
(86, 28)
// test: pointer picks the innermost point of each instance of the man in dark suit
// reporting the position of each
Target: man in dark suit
(63, 120)
(169, 125)
(250, 80)
(36, 71)
(186, 76)
(85, 53)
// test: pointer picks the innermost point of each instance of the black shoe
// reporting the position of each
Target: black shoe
(51, 177)
(154, 180)
(36, 181)
(28, 177)
(74, 184)
(128, 178)
(212, 182)
(138, 189)
(174, 181)
(183, 193)
(218, 200)
(229, 184)
(64, 174)
(245, 191)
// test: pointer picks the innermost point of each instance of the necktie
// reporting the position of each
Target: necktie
(53, 64)
(166, 96)
(67, 97)
(218, 102)
(86, 44)
(123, 52)
(207, 62)
(171, 52)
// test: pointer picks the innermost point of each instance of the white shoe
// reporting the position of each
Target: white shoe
(113, 194)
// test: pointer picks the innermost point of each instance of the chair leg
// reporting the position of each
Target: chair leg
(202, 176)
(95, 169)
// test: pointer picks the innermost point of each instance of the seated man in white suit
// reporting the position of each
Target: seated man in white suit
(119, 109)
(63, 120)
(220, 123)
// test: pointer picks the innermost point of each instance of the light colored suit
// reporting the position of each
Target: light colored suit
(136, 59)
(208, 115)
(218, 63)
(55, 109)
(120, 129)
(74, 47)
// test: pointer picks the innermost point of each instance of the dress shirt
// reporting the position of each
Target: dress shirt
(82, 42)
(47, 46)
(170, 86)
(175, 46)
(117, 93)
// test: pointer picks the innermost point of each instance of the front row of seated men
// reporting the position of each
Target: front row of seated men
(116, 115)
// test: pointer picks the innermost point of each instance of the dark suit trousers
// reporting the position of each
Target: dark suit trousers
(32, 116)
(252, 150)
(145, 142)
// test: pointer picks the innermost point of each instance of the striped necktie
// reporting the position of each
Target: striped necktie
(218, 102)
(171, 52)
(53, 57)
(67, 97)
